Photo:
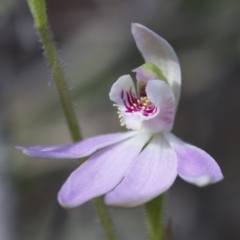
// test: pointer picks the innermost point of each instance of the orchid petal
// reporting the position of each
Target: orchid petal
(157, 50)
(161, 95)
(120, 89)
(151, 174)
(194, 164)
(123, 94)
(132, 121)
(76, 150)
(101, 172)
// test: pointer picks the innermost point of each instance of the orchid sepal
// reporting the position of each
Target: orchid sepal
(158, 51)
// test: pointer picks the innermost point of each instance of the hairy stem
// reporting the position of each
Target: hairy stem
(101, 211)
(38, 10)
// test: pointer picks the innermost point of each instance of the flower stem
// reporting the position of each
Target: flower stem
(100, 208)
(154, 211)
(38, 11)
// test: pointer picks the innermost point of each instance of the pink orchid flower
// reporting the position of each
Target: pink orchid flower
(133, 167)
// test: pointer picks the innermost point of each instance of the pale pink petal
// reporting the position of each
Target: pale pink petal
(101, 172)
(151, 174)
(121, 91)
(124, 95)
(194, 165)
(76, 150)
(132, 120)
(157, 50)
(161, 95)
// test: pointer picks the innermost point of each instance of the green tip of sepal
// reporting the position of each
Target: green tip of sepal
(149, 71)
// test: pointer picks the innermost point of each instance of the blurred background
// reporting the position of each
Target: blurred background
(97, 47)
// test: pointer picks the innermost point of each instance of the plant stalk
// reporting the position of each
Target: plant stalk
(38, 11)
(154, 212)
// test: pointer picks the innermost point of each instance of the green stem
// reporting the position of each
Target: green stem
(38, 10)
(154, 211)
(105, 220)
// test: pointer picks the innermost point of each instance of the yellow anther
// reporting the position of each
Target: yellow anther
(132, 107)
(134, 104)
